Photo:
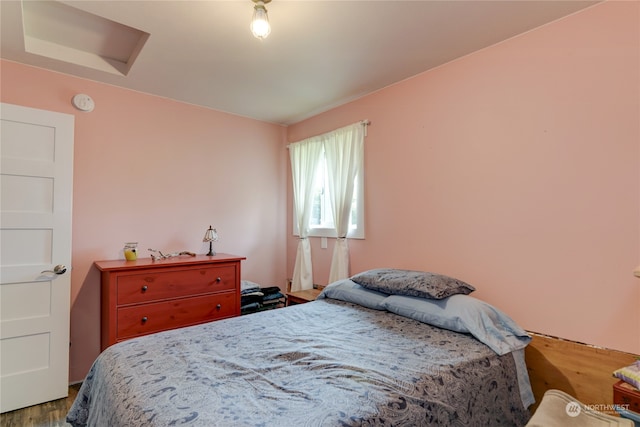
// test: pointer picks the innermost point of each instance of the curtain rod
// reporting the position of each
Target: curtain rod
(365, 123)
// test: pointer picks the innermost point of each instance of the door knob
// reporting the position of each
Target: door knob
(58, 269)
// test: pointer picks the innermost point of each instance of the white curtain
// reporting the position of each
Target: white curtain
(344, 154)
(305, 157)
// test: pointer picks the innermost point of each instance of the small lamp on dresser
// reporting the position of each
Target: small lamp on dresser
(211, 236)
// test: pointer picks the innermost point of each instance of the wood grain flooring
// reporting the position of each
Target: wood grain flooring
(49, 414)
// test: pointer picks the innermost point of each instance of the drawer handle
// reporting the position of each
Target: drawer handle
(219, 279)
(144, 319)
(144, 288)
(218, 307)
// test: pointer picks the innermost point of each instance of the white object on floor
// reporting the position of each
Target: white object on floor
(559, 409)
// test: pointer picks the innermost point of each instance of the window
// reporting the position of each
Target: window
(332, 162)
(321, 222)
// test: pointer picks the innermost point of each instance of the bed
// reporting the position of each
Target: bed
(345, 359)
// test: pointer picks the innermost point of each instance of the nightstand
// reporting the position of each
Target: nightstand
(300, 297)
(626, 394)
(628, 397)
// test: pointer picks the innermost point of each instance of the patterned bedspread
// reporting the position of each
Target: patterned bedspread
(325, 363)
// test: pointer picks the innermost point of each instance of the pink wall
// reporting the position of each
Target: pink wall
(517, 169)
(159, 172)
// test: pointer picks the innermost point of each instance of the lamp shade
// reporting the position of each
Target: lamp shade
(211, 235)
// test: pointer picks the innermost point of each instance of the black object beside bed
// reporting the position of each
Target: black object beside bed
(325, 363)
(255, 298)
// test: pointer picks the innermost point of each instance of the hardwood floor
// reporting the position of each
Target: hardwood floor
(49, 414)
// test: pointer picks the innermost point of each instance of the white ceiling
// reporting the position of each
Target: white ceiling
(320, 54)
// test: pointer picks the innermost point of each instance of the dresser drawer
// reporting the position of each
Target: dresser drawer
(160, 316)
(161, 285)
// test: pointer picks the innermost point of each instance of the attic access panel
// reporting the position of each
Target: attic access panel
(58, 31)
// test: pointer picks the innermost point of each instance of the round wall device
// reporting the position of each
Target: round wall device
(83, 102)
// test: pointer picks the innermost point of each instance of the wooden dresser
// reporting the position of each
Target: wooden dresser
(146, 296)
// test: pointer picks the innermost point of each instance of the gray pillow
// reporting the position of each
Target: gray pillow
(462, 313)
(413, 283)
(346, 290)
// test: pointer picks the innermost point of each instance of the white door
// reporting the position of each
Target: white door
(36, 170)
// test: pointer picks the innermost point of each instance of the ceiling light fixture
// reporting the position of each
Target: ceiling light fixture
(260, 23)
